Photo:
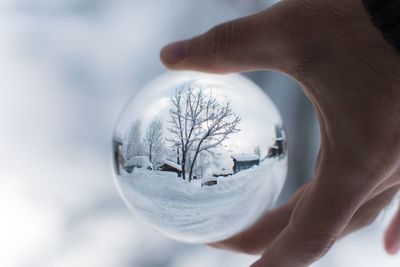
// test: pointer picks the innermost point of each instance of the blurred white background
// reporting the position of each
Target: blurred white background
(67, 67)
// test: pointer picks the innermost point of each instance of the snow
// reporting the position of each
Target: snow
(245, 157)
(140, 161)
(190, 213)
(209, 179)
(197, 183)
(173, 164)
(223, 172)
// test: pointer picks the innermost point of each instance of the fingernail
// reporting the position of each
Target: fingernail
(174, 53)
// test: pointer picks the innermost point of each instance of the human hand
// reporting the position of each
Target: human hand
(352, 77)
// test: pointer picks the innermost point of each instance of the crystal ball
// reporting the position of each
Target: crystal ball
(199, 157)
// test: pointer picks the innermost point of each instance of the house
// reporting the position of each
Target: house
(140, 162)
(243, 162)
(169, 166)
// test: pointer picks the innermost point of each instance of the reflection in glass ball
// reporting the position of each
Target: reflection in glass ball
(200, 157)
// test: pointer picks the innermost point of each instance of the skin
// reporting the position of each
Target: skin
(352, 77)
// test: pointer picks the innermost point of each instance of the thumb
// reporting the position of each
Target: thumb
(256, 42)
(316, 223)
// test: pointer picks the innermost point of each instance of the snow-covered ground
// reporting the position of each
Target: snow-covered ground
(205, 214)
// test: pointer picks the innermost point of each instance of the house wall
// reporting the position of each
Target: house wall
(168, 168)
(244, 165)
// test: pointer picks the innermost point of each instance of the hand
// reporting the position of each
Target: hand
(352, 77)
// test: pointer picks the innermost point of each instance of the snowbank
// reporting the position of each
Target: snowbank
(196, 214)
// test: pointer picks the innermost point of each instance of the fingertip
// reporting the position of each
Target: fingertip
(392, 236)
(392, 249)
(173, 53)
(392, 246)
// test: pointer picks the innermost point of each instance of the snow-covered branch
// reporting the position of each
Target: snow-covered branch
(199, 122)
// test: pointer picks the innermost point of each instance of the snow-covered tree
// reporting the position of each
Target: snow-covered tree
(133, 143)
(199, 123)
(154, 142)
(204, 160)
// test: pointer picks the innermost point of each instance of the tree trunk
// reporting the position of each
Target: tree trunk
(183, 165)
(150, 153)
(192, 167)
(194, 159)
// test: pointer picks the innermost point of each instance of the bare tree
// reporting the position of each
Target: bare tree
(199, 123)
(133, 143)
(154, 142)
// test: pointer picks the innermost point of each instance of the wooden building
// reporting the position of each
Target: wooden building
(169, 166)
(243, 162)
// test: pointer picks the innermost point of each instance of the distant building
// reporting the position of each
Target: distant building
(243, 162)
(274, 151)
(169, 166)
(279, 147)
(118, 158)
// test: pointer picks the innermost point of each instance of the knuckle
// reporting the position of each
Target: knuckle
(220, 41)
(368, 213)
(314, 246)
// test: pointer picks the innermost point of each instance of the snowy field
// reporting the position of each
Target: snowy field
(191, 213)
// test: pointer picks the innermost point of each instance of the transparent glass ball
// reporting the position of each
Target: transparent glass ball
(200, 157)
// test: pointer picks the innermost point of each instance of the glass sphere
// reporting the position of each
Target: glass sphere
(200, 157)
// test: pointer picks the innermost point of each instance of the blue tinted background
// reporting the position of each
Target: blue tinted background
(67, 67)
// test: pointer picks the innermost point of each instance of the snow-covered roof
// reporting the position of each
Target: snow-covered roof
(245, 157)
(173, 164)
